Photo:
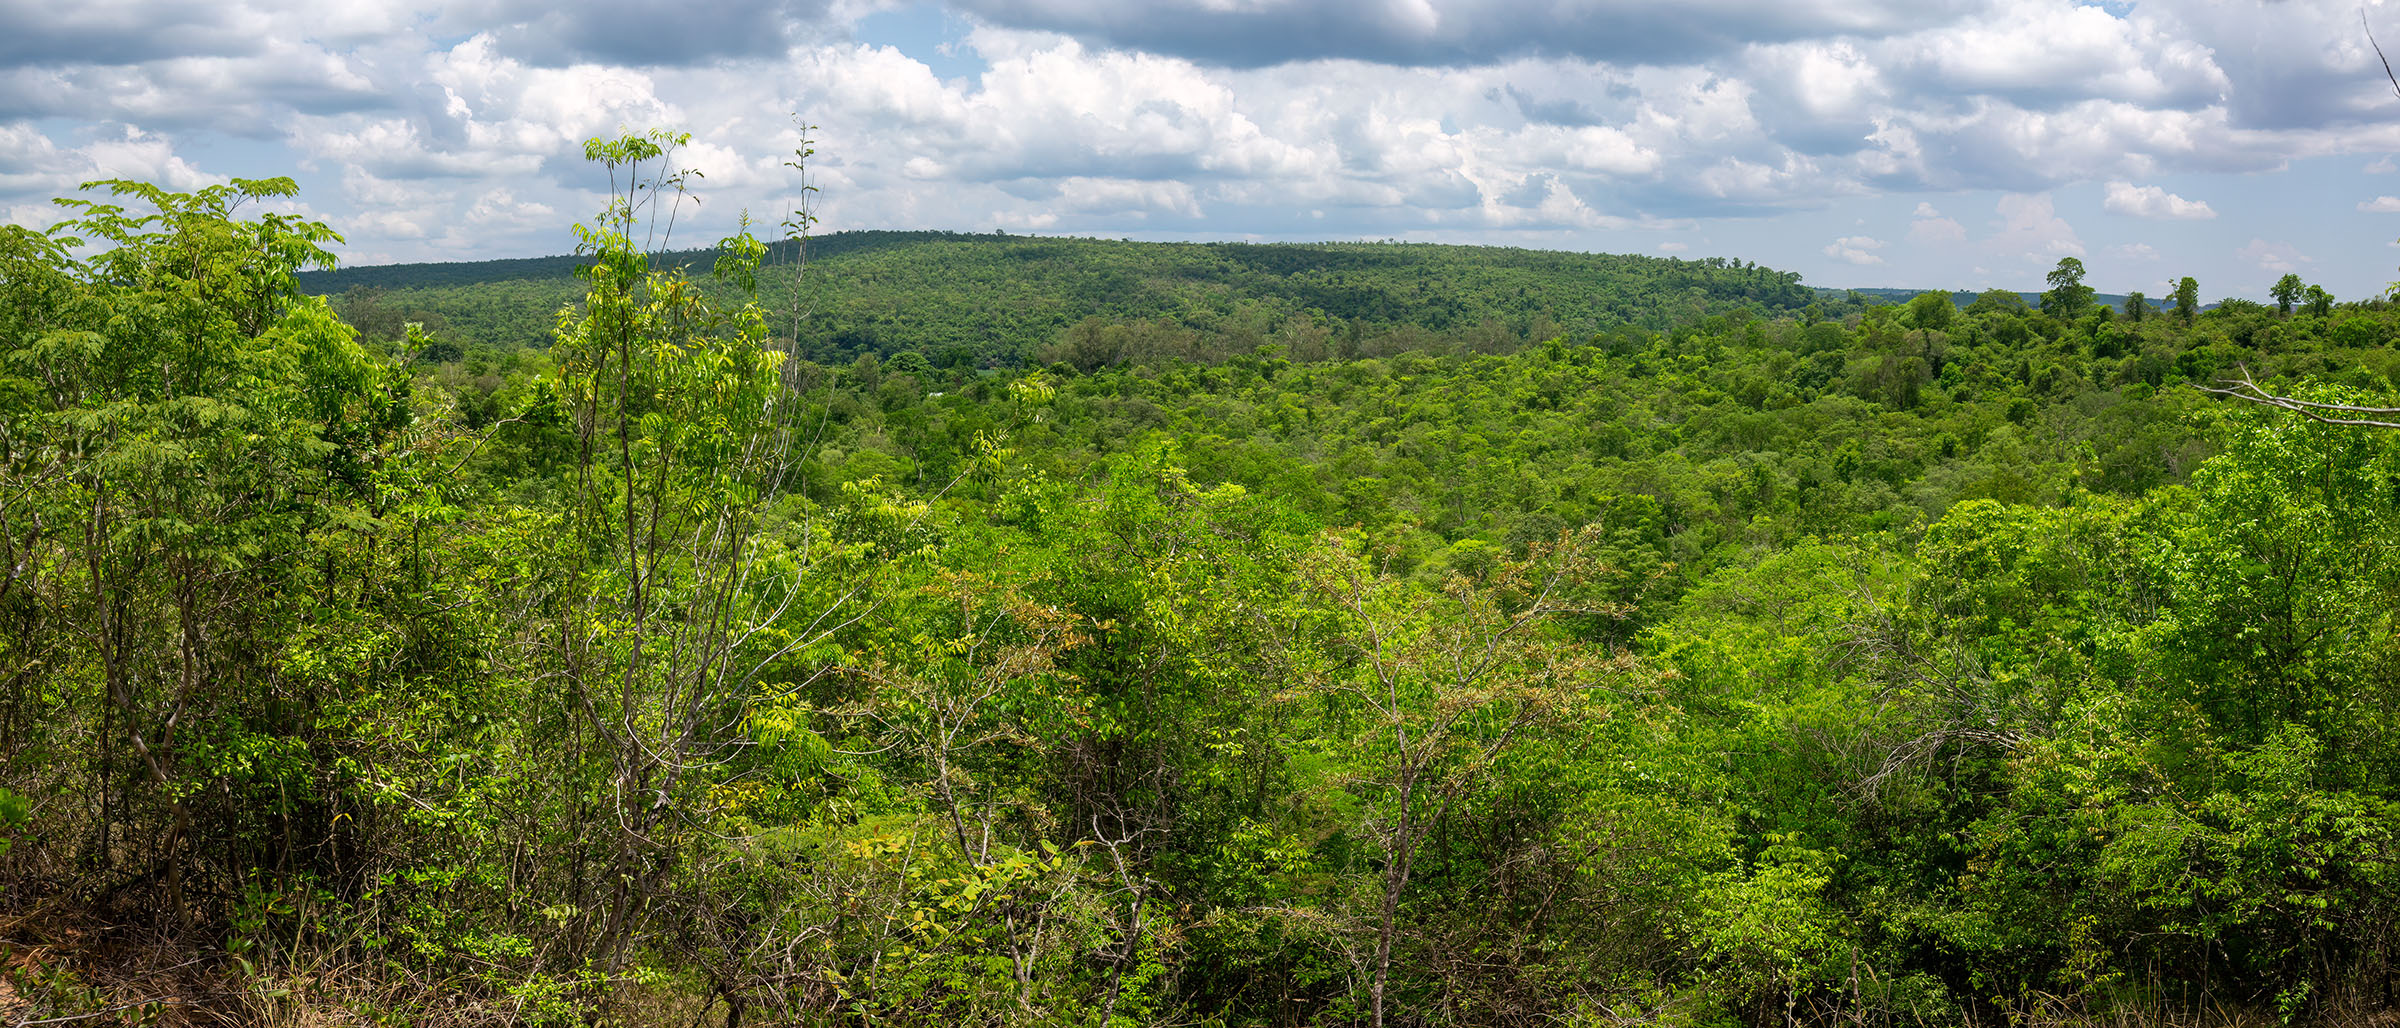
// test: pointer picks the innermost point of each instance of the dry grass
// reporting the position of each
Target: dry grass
(58, 970)
(62, 971)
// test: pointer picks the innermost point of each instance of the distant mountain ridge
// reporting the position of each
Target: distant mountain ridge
(428, 274)
(993, 298)
(1963, 297)
(435, 274)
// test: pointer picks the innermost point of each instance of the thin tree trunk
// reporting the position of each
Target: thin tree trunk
(1395, 879)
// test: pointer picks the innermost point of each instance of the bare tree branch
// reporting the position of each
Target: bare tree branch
(2387, 62)
(2248, 389)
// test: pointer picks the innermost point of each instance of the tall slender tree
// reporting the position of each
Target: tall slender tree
(2187, 299)
(2068, 298)
(2287, 292)
(683, 436)
(2320, 302)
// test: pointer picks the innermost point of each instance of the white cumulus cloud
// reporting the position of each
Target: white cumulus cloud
(1855, 249)
(2275, 257)
(452, 129)
(2028, 227)
(2153, 202)
(1930, 227)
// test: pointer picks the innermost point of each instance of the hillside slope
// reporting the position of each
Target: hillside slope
(1000, 298)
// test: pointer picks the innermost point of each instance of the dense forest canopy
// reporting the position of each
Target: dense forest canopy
(1074, 632)
(1002, 299)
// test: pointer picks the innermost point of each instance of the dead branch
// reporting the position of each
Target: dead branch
(2387, 62)
(2247, 389)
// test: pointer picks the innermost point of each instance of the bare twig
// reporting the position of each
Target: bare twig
(89, 1016)
(2387, 62)
(2248, 389)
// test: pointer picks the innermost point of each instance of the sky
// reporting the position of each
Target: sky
(1904, 143)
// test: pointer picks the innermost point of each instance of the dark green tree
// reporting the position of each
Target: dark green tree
(2068, 298)
(1932, 310)
(2287, 291)
(2320, 302)
(2187, 299)
(1997, 301)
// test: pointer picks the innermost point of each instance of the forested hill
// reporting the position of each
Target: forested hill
(1002, 297)
(438, 274)
(1962, 297)
(1913, 666)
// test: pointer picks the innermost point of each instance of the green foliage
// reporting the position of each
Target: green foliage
(1321, 635)
(1010, 300)
(2286, 291)
(2187, 299)
(2068, 298)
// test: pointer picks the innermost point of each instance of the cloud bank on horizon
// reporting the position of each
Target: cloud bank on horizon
(1930, 143)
